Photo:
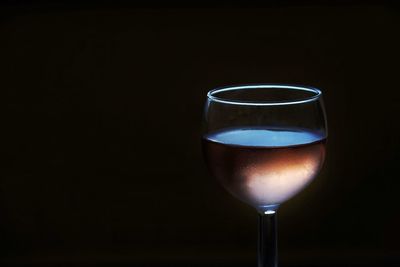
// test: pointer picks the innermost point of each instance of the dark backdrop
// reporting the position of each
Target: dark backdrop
(102, 126)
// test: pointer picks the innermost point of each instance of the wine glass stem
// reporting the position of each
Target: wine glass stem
(267, 240)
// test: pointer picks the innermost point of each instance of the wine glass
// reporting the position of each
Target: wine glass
(264, 143)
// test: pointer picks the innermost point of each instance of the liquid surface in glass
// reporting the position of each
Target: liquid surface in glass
(264, 166)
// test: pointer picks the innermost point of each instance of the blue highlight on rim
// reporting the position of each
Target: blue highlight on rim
(211, 95)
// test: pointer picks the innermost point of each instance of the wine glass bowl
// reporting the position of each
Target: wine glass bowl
(264, 143)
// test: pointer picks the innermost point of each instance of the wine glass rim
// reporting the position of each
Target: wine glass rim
(211, 94)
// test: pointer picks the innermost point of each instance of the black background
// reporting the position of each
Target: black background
(102, 126)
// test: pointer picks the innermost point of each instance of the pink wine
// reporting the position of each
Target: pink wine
(262, 166)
